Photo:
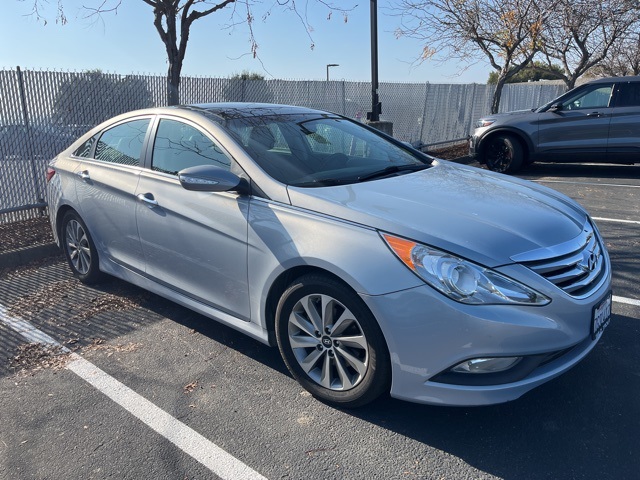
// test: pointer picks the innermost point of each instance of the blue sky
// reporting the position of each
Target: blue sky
(127, 42)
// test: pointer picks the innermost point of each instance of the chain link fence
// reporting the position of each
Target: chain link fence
(42, 112)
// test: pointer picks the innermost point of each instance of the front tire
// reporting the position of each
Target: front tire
(504, 154)
(79, 249)
(331, 343)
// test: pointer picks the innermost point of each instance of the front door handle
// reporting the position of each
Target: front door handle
(595, 114)
(84, 175)
(148, 199)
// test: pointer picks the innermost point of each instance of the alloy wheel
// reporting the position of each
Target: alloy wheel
(78, 247)
(328, 342)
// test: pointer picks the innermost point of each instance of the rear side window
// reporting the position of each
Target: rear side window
(178, 146)
(123, 143)
(628, 95)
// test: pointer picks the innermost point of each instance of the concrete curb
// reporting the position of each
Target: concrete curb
(15, 258)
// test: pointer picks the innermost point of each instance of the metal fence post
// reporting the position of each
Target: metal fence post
(424, 111)
(29, 147)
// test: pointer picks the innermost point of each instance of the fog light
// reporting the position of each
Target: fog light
(486, 365)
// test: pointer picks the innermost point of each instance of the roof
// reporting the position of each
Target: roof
(239, 109)
(630, 78)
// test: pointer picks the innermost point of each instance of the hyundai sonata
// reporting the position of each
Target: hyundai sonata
(372, 267)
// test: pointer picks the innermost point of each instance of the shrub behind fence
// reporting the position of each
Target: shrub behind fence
(42, 112)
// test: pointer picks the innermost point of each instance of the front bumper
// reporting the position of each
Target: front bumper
(427, 334)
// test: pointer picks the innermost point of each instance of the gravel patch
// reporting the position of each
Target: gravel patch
(26, 233)
(450, 151)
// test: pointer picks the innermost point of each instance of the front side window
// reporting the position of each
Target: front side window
(595, 97)
(178, 146)
(123, 143)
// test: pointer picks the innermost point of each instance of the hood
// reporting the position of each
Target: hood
(473, 213)
(508, 114)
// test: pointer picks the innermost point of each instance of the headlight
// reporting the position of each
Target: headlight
(460, 279)
(485, 122)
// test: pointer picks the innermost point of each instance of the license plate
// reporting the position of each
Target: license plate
(601, 316)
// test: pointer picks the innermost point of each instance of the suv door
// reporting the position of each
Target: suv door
(624, 132)
(577, 128)
(194, 242)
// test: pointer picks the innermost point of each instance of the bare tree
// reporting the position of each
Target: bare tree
(173, 20)
(580, 34)
(504, 33)
(623, 58)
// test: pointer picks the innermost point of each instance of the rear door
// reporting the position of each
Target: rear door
(106, 187)
(194, 242)
(579, 129)
(624, 132)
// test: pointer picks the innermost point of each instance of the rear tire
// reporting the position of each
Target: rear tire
(331, 343)
(504, 154)
(79, 249)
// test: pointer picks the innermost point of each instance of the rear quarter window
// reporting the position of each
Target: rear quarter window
(122, 144)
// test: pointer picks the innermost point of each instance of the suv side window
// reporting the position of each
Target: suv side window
(123, 143)
(596, 97)
(178, 146)
(628, 95)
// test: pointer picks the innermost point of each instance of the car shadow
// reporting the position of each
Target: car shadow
(581, 170)
(583, 424)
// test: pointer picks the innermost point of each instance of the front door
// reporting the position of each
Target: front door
(579, 129)
(193, 242)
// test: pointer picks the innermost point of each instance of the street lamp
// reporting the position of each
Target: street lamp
(330, 65)
(376, 106)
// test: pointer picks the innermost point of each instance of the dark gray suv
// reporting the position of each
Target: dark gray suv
(595, 122)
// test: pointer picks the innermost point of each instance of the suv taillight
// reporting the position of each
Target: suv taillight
(50, 173)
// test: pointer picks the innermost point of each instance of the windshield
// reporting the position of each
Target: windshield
(315, 149)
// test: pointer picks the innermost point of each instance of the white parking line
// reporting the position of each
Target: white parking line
(602, 219)
(628, 301)
(186, 439)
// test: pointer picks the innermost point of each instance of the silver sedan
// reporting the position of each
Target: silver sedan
(374, 268)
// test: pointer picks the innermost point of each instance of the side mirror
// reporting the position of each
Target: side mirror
(556, 107)
(208, 178)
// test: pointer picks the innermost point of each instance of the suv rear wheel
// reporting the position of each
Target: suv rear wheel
(504, 154)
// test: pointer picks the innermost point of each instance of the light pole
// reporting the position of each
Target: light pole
(331, 65)
(376, 106)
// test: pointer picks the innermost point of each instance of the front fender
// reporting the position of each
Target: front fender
(282, 237)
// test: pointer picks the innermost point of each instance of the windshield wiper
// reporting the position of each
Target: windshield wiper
(391, 170)
(323, 182)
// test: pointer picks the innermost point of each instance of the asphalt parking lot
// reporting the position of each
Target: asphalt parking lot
(153, 390)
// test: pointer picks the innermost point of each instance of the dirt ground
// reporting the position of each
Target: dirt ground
(25, 233)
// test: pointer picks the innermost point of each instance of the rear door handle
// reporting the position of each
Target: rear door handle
(596, 114)
(148, 199)
(84, 175)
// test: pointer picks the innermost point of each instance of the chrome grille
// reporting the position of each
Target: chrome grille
(577, 267)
